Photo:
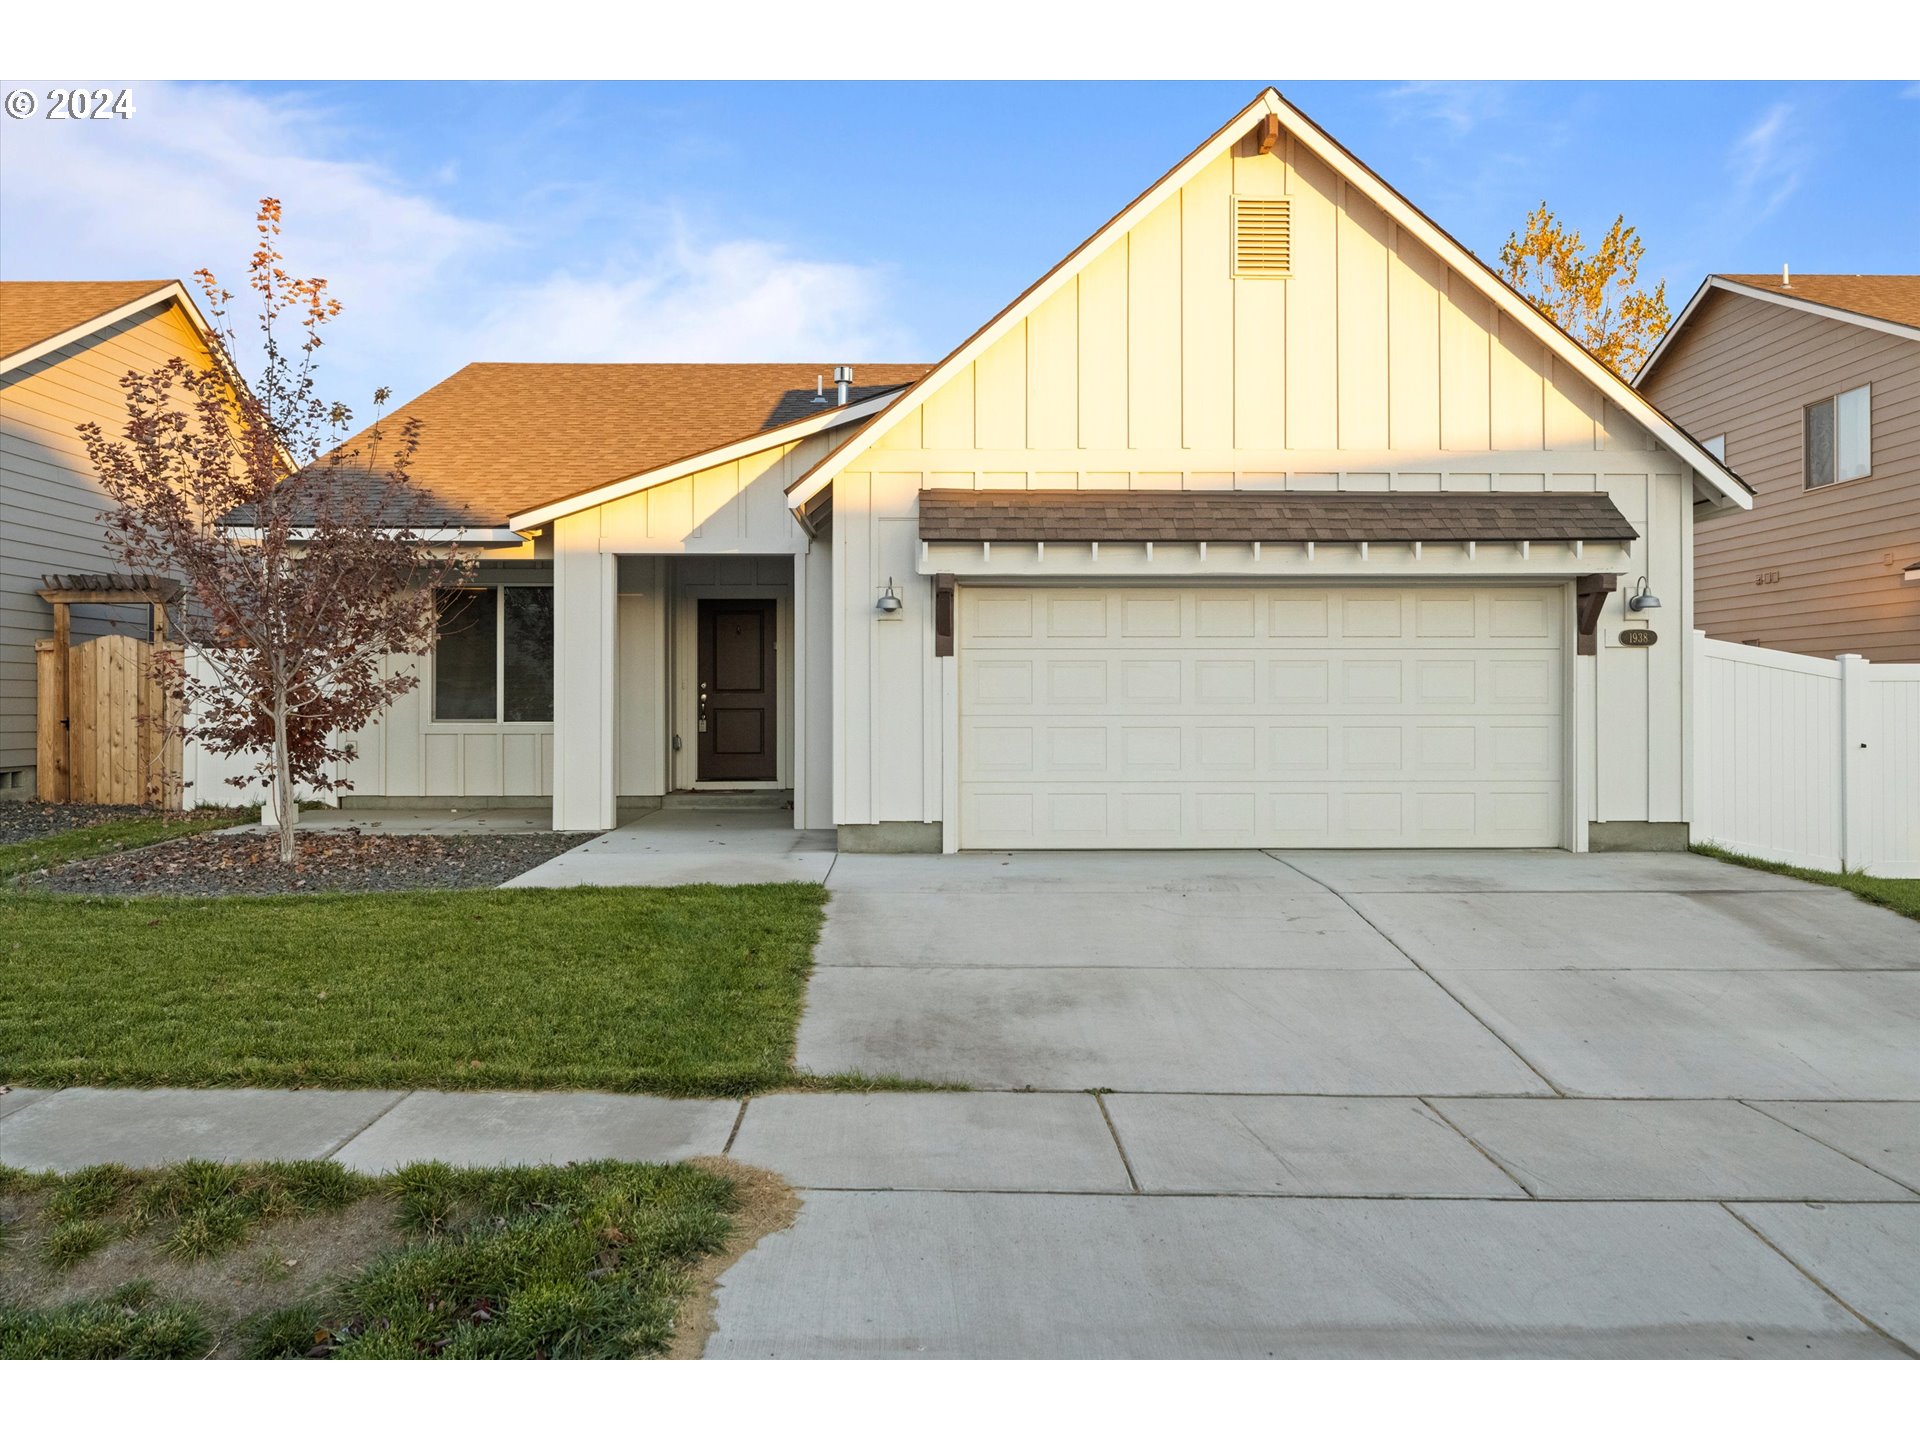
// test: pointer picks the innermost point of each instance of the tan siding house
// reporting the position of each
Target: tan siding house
(1821, 569)
(63, 350)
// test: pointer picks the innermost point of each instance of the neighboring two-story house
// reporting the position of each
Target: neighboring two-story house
(1808, 386)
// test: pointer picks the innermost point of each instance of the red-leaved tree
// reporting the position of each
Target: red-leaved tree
(304, 564)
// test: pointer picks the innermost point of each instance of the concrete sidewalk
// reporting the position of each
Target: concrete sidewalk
(1137, 1224)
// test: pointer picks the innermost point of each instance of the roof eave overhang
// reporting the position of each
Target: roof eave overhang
(172, 292)
(747, 445)
(426, 535)
(1712, 472)
(1752, 292)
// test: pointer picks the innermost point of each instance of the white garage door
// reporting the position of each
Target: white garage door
(1259, 717)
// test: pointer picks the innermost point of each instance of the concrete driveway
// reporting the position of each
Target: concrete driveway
(1233, 1103)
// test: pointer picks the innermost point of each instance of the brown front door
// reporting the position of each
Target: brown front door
(738, 719)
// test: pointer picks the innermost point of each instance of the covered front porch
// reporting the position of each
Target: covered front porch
(689, 679)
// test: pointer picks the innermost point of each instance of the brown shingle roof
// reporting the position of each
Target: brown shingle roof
(1884, 297)
(1174, 516)
(36, 310)
(498, 439)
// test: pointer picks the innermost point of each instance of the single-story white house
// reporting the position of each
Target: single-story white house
(1268, 517)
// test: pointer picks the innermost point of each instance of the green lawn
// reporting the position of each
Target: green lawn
(269, 1262)
(109, 837)
(695, 990)
(1898, 895)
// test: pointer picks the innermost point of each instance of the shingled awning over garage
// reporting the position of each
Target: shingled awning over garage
(1279, 517)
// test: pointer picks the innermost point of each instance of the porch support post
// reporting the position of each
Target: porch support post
(585, 625)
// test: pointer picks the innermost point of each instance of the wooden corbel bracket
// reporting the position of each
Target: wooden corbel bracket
(943, 614)
(1590, 594)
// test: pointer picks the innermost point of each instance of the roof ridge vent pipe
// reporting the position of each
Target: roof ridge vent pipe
(843, 377)
(819, 389)
(1786, 278)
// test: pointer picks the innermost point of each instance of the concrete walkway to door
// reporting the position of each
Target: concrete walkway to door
(740, 845)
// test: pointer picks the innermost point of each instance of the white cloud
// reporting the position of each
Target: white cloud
(1462, 106)
(1768, 163)
(174, 189)
(426, 287)
(689, 298)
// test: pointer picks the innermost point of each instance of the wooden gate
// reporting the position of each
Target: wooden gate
(108, 732)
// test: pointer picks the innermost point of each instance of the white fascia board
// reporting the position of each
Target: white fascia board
(452, 535)
(1790, 302)
(1660, 345)
(831, 417)
(817, 479)
(172, 291)
(1388, 199)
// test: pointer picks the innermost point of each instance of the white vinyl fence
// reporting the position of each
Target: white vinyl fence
(1805, 761)
(204, 775)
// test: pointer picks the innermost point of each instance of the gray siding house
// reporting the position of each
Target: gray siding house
(64, 346)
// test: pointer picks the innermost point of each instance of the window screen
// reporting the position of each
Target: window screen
(529, 652)
(464, 655)
(1820, 444)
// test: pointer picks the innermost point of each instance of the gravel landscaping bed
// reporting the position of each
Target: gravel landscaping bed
(329, 861)
(30, 820)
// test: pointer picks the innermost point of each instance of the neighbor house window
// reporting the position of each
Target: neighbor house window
(1717, 447)
(493, 655)
(1840, 438)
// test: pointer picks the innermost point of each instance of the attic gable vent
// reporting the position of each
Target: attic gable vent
(1262, 237)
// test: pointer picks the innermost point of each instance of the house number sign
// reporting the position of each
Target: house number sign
(1638, 639)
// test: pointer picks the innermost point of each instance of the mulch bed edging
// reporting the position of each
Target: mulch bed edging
(328, 862)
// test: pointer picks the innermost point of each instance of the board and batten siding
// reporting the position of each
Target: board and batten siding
(628, 575)
(1817, 572)
(1371, 368)
(50, 494)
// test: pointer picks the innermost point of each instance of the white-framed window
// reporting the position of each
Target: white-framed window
(493, 654)
(1839, 438)
(1717, 447)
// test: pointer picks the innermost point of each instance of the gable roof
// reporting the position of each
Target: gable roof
(1398, 208)
(1889, 303)
(501, 440)
(40, 316)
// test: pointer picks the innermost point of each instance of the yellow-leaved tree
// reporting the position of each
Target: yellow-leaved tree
(1595, 298)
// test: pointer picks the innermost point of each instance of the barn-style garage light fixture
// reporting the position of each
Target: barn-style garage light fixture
(1642, 598)
(889, 603)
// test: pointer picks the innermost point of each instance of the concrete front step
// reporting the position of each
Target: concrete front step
(728, 800)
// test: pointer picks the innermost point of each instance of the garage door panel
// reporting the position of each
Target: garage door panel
(1398, 682)
(1117, 749)
(1226, 717)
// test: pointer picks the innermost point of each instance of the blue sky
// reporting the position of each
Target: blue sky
(466, 221)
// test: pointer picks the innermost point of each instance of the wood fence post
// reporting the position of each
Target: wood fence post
(50, 724)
